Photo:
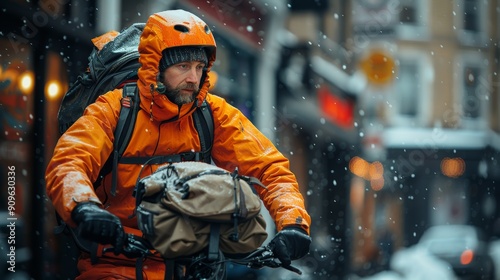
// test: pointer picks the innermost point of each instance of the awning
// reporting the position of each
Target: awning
(307, 115)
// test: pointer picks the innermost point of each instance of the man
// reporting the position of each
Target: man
(177, 50)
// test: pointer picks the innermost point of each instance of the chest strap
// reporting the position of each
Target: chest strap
(188, 156)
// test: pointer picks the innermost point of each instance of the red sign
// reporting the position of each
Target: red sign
(334, 108)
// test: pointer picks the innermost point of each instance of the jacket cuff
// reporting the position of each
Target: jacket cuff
(297, 228)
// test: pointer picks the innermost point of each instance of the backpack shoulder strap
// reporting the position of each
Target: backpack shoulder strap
(204, 123)
(130, 105)
(126, 121)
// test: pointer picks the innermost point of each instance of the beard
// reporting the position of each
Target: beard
(177, 97)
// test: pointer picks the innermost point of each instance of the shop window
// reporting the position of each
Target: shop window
(410, 95)
(470, 21)
(404, 19)
(408, 14)
(16, 126)
(374, 18)
(472, 93)
(470, 108)
(449, 201)
(413, 18)
(407, 91)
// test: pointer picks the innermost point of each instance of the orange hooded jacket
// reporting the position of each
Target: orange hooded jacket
(163, 128)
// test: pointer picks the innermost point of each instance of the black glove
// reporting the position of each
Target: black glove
(98, 225)
(289, 244)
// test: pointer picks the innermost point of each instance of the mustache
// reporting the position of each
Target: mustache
(189, 86)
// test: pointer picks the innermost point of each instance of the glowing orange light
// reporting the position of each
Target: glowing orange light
(26, 82)
(378, 67)
(466, 257)
(53, 89)
(373, 172)
(453, 167)
(377, 184)
(359, 167)
(376, 170)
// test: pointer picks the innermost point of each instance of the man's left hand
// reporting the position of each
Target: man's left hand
(289, 244)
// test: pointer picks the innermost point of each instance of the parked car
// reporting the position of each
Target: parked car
(495, 255)
(464, 247)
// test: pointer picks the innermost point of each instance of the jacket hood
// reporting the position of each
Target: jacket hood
(164, 30)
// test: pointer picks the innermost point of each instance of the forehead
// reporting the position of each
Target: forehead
(194, 63)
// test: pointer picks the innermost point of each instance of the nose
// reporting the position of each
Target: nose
(192, 76)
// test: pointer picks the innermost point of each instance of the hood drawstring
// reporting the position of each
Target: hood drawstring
(152, 90)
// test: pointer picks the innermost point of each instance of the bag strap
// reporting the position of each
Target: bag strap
(213, 242)
(124, 128)
(204, 123)
(187, 156)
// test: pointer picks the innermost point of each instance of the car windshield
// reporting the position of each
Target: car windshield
(447, 245)
(450, 239)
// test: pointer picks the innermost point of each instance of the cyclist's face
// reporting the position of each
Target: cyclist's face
(182, 81)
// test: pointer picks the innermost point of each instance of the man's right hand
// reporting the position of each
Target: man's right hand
(98, 225)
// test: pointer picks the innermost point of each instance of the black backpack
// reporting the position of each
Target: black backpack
(108, 68)
(115, 65)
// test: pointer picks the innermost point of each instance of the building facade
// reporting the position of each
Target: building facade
(424, 75)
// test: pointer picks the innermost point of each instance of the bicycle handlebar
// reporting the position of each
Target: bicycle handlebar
(261, 257)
